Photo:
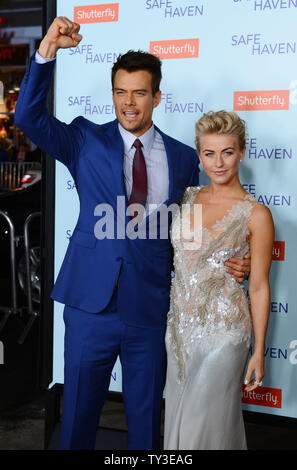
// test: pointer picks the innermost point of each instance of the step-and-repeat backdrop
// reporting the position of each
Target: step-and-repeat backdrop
(234, 55)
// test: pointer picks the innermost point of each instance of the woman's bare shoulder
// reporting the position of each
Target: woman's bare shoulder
(261, 217)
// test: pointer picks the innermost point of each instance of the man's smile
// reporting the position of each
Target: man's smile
(130, 115)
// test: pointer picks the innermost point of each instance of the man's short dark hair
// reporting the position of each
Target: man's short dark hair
(133, 61)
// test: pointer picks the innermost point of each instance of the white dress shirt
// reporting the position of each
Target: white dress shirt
(156, 165)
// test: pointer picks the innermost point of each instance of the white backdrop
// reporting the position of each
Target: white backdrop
(230, 54)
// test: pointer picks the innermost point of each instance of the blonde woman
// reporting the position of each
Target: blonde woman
(210, 320)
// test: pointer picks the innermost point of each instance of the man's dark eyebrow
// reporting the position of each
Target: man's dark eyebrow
(138, 89)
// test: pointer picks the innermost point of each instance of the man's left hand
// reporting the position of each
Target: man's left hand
(239, 268)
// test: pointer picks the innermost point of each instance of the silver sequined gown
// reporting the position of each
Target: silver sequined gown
(208, 334)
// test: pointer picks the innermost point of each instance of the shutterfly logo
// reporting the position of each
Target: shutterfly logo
(175, 48)
(263, 396)
(278, 251)
(261, 100)
(96, 13)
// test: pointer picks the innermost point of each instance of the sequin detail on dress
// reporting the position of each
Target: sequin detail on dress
(206, 301)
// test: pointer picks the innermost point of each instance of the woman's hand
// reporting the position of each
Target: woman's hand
(256, 368)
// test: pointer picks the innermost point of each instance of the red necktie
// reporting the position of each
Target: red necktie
(139, 188)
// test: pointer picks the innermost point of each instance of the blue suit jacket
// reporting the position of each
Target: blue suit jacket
(94, 156)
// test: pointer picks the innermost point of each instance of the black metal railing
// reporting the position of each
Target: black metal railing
(11, 174)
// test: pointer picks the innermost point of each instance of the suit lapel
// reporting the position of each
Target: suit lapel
(115, 149)
(173, 158)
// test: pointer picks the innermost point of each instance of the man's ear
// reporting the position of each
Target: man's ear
(157, 98)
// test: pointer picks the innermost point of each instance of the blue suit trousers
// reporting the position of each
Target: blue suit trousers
(92, 344)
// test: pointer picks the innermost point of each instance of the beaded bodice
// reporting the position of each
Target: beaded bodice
(206, 301)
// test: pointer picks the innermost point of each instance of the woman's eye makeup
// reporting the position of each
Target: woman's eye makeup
(224, 152)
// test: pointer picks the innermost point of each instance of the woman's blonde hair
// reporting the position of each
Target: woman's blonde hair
(221, 122)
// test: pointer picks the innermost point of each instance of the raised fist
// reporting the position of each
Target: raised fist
(62, 34)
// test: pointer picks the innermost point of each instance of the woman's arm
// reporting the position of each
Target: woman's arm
(261, 230)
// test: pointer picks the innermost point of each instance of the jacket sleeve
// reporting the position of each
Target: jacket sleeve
(194, 178)
(61, 141)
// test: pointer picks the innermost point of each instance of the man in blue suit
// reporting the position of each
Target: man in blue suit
(115, 289)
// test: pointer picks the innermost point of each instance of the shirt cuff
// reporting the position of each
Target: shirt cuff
(41, 60)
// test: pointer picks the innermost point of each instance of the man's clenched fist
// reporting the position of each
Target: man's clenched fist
(62, 33)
